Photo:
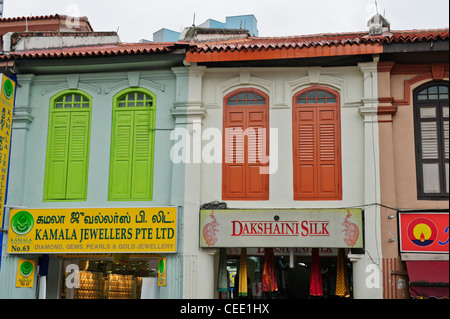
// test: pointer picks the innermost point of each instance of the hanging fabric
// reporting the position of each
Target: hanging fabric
(222, 278)
(269, 278)
(243, 289)
(342, 289)
(315, 288)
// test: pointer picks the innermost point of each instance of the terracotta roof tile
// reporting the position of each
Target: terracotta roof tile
(42, 17)
(322, 40)
(318, 45)
(94, 51)
(252, 48)
(418, 35)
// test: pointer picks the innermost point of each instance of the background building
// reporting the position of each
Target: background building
(414, 147)
(246, 22)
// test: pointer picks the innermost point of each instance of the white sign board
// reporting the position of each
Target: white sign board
(271, 228)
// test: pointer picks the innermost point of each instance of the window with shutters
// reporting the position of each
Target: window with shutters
(246, 143)
(316, 145)
(431, 116)
(66, 172)
(132, 146)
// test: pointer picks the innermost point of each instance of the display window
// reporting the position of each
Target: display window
(328, 274)
(118, 277)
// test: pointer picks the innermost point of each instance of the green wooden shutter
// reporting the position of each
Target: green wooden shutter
(57, 152)
(141, 176)
(122, 155)
(67, 159)
(132, 146)
(78, 155)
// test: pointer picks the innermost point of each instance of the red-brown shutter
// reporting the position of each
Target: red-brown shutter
(234, 155)
(246, 142)
(257, 152)
(305, 176)
(316, 147)
(328, 159)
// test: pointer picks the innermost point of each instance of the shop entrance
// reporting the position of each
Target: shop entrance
(117, 277)
(293, 279)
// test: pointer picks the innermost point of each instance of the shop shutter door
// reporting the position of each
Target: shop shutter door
(141, 178)
(234, 155)
(78, 155)
(56, 171)
(122, 153)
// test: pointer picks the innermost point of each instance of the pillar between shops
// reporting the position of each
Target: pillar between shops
(197, 264)
(367, 267)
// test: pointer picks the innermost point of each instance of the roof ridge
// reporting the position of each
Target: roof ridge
(40, 17)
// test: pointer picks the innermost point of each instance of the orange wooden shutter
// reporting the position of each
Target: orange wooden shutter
(257, 150)
(305, 169)
(316, 145)
(245, 147)
(234, 164)
(328, 157)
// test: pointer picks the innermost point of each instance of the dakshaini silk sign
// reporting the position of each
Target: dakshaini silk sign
(93, 230)
(333, 228)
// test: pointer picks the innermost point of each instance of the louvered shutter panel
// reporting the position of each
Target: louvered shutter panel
(234, 155)
(328, 154)
(141, 177)
(257, 152)
(78, 155)
(56, 171)
(316, 147)
(305, 167)
(121, 158)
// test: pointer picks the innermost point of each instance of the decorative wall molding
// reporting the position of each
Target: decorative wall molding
(133, 82)
(315, 78)
(72, 81)
(72, 84)
(22, 117)
(245, 79)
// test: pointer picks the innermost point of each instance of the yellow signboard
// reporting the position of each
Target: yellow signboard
(25, 273)
(7, 89)
(93, 230)
(162, 271)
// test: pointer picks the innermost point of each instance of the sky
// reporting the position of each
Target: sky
(139, 19)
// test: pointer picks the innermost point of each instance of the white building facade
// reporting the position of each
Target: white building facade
(338, 187)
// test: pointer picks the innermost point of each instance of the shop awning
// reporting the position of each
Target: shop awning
(428, 279)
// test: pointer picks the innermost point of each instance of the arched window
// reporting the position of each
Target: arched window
(246, 143)
(132, 145)
(431, 115)
(66, 172)
(316, 145)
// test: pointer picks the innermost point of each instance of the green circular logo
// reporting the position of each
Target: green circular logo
(161, 267)
(26, 269)
(8, 88)
(22, 223)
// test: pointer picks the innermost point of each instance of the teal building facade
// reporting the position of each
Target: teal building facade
(92, 129)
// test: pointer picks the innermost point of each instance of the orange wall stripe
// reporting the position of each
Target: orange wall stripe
(245, 54)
